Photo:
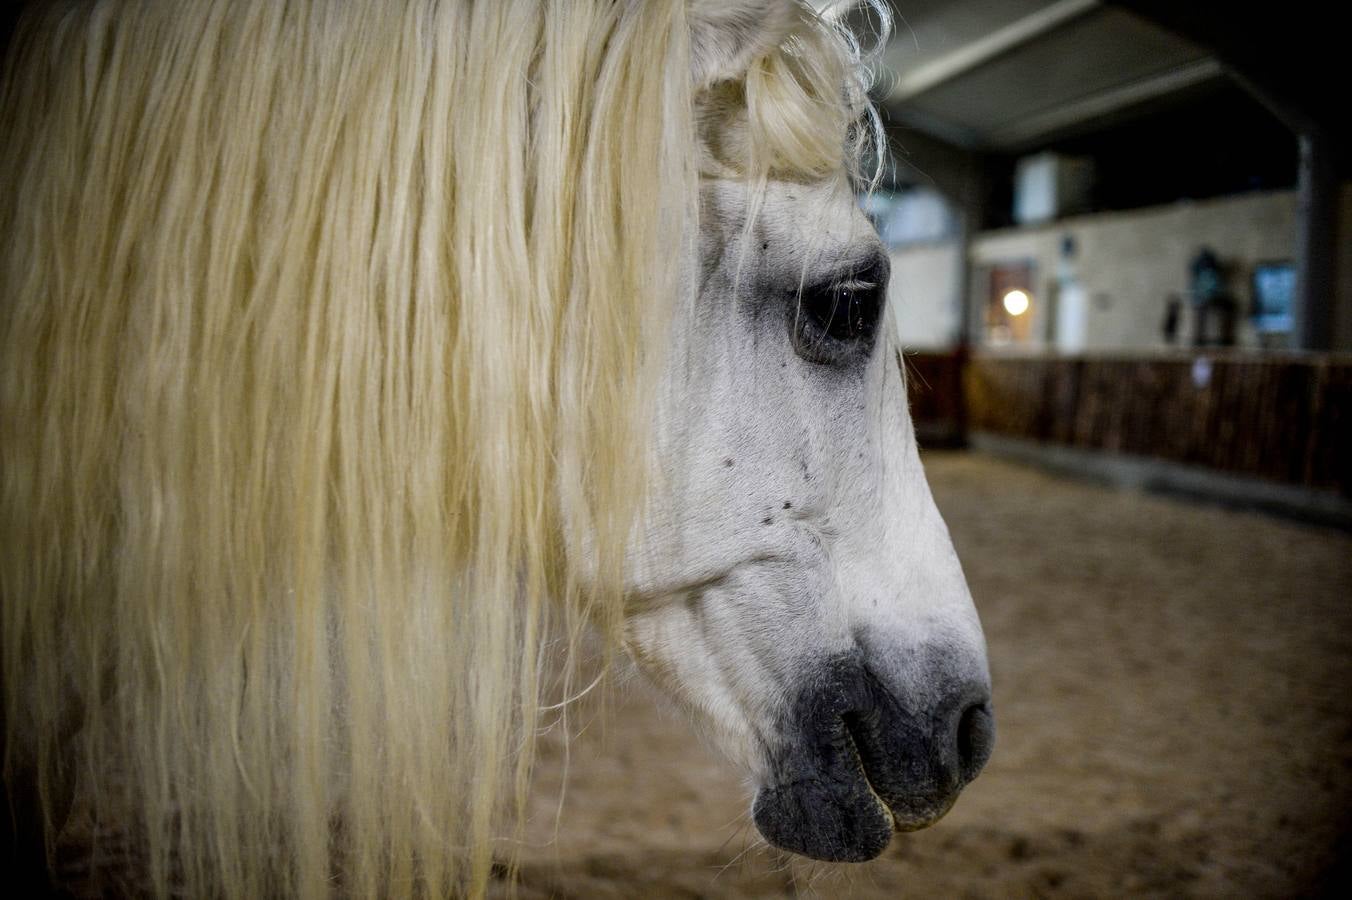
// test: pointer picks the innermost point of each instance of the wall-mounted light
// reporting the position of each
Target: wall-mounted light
(1016, 302)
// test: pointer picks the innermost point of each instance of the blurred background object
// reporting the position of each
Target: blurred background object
(1085, 198)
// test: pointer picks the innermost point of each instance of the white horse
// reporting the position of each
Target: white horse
(351, 350)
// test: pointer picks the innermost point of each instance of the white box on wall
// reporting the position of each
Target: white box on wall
(1049, 185)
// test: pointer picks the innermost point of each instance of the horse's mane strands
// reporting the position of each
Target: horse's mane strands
(798, 101)
(328, 343)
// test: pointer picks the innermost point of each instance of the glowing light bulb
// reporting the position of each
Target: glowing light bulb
(1016, 302)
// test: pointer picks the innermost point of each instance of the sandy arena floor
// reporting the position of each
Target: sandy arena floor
(1173, 689)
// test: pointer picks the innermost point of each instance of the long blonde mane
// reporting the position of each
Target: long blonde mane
(328, 340)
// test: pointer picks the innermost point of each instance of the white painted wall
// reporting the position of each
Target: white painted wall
(925, 294)
(1128, 263)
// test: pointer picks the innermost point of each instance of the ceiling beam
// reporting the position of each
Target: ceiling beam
(987, 47)
(1105, 103)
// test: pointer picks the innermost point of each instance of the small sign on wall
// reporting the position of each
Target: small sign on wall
(1201, 373)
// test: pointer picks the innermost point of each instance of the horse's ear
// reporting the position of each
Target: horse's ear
(726, 36)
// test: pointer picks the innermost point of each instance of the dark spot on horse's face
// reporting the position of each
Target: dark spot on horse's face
(788, 505)
(765, 246)
(727, 463)
(768, 520)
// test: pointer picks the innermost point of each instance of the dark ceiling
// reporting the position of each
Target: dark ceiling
(1172, 98)
(1010, 75)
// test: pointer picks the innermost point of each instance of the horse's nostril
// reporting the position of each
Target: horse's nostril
(975, 738)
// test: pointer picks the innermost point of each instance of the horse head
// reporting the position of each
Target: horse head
(794, 585)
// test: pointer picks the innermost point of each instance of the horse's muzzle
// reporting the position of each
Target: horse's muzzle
(857, 764)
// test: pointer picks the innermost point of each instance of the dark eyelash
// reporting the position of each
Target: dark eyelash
(837, 320)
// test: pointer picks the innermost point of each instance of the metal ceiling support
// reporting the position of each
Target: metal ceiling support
(985, 48)
(1292, 60)
(1316, 242)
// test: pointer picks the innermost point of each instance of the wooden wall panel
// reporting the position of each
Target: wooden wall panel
(1285, 417)
(934, 386)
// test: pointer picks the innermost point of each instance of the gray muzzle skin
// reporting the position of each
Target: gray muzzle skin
(857, 764)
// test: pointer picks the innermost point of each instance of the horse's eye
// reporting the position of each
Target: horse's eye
(845, 312)
(837, 321)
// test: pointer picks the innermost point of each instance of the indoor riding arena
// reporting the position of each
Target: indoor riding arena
(656, 449)
(1127, 308)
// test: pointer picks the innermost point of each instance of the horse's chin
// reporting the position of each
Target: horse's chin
(821, 820)
(857, 765)
(834, 821)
